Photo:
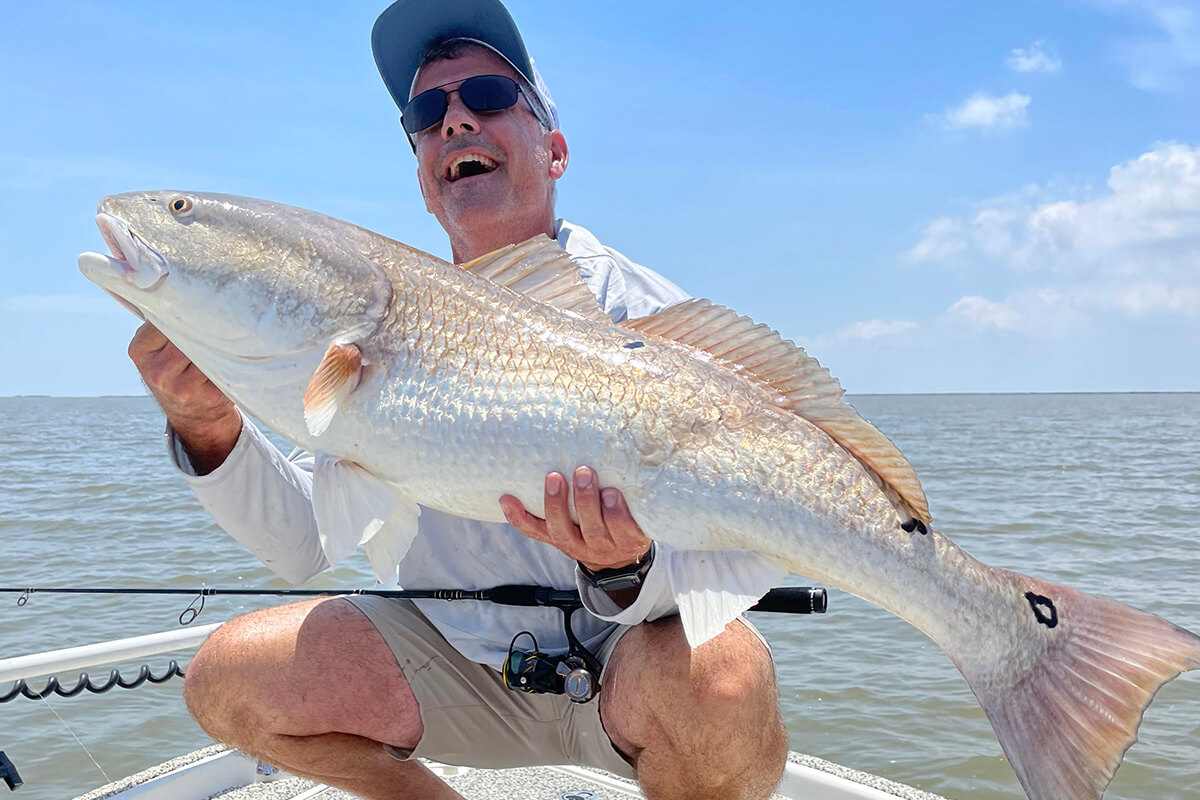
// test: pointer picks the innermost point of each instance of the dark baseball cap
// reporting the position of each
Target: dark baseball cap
(406, 29)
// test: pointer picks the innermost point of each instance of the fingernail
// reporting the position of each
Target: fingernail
(552, 485)
(609, 498)
(583, 477)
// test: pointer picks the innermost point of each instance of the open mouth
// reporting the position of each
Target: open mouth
(469, 165)
(108, 227)
(140, 264)
(133, 262)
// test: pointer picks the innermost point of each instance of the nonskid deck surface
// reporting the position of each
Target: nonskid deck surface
(539, 783)
(532, 783)
(475, 784)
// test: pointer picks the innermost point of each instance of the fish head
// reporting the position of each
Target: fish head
(237, 277)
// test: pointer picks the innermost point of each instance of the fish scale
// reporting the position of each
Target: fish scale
(544, 379)
(419, 383)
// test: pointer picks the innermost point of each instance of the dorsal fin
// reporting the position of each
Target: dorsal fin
(540, 269)
(799, 384)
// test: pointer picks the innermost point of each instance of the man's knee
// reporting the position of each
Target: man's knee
(299, 670)
(214, 689)
(243, 674)
(726, 671)
(201, 695)
(657, 673)
(733, 671)
(714, 709)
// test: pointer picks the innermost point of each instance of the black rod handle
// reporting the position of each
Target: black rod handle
(533, 596)
(793, 600)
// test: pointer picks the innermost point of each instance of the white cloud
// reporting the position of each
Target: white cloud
(943, 240)
(857, 332)
(874, 329)
(1132, 251)
(1146, 224)
(1051, 311)
(59, 304)
(1156, 61)
(984, 111)
(1151, 299)
(1033, 59)
(983, 313)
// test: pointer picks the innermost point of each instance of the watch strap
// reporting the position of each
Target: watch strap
(629, 576)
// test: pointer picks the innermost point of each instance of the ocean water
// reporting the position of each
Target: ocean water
(1100, 492)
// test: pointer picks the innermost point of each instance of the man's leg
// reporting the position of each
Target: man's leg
(314, 689)
(702, 724)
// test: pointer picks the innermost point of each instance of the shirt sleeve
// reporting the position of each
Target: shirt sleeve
(654, 601)
(263, 500)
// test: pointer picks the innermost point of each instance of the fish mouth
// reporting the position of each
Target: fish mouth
(133, 263)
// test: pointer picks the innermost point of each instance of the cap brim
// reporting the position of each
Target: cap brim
(406, 28)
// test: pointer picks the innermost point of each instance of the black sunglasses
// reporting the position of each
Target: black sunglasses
(481, 94)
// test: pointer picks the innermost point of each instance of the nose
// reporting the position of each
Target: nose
(458, 119)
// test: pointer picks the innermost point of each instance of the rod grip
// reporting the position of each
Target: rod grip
(533, 596)
(793, 600)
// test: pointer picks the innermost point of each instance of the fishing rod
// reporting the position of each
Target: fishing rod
(526, 668)
(783, 600)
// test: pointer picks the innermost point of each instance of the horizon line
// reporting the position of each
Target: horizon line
(850, 394)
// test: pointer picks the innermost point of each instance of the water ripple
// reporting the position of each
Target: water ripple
(1098, 491)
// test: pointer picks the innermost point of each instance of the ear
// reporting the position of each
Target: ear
(559, 154)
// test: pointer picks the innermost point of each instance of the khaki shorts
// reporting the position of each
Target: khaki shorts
(471, 718)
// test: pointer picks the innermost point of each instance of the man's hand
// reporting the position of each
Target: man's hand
(205, 420)
(606, 536)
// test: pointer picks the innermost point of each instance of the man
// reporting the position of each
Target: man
(347, 691)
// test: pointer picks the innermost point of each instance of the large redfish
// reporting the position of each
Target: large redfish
(420, 383)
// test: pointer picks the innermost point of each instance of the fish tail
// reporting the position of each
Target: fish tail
(1067, 700)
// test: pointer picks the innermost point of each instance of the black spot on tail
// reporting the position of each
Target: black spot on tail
(1043, 609)
(633, 345)
(914, 524)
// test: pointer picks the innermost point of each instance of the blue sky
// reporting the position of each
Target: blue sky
(928, 196)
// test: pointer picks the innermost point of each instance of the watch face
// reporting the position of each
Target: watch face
(628, 577)
(618, 582)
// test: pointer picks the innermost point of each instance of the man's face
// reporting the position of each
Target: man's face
(516, 162)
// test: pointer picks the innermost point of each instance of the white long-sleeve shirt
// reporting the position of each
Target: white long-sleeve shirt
(263, 500)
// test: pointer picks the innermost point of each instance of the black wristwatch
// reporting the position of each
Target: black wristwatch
(629, 576)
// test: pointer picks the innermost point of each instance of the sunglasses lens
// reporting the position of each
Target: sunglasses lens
(488, 93)
(480, 94)
(424, 110)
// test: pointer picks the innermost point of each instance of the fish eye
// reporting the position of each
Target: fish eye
(180, 205)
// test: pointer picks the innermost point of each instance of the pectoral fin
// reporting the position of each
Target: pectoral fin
(336, 377)
(712, 589)
(354, 507)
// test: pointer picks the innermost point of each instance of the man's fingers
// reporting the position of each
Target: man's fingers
(165, 369)
(607, 535)
(169, 373)
(522, 520)
(158, 360)
(626, 534)
(146, 340)
(587, 508)
(564, 534)
(191, 379)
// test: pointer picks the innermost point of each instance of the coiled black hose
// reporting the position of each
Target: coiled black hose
(115, 681)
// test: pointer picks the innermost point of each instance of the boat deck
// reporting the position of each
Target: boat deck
(198, 776)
